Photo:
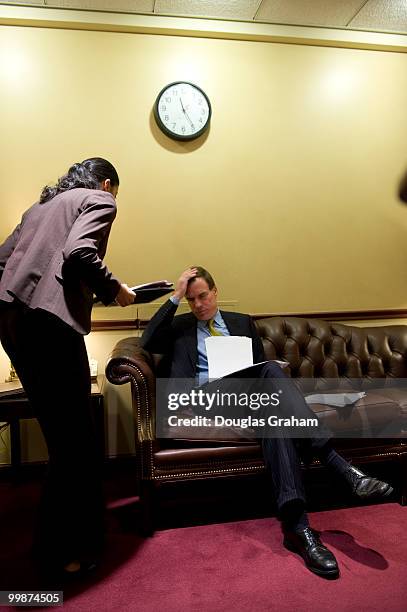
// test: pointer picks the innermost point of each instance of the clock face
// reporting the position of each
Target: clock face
(182, 111)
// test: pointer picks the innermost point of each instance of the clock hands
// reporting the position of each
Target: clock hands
(186, 114)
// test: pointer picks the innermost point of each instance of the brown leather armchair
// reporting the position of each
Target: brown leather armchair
(316, 350)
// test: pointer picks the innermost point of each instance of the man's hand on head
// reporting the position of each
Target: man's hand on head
(182, 282)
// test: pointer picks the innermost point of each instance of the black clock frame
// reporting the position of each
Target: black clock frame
(164, 128)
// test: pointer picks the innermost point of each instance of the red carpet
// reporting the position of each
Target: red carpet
(239, 566)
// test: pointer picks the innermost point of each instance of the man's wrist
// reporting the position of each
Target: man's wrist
(175, 300)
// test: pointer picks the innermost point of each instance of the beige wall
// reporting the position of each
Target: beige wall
(290, 200)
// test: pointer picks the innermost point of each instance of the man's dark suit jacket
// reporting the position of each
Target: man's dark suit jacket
(53, 259)
(175, 337)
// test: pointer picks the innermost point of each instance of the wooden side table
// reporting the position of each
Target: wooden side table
(15, 406)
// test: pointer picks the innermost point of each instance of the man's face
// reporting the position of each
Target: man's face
(202, 300)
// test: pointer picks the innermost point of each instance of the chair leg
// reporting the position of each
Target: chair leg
(403, 479)
(147, 501)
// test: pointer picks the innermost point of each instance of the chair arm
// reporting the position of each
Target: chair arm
(129, 362)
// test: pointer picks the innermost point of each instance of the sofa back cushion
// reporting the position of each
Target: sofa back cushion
(319, 349)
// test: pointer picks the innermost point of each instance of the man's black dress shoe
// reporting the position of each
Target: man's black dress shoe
(364, 486)
(317, 557)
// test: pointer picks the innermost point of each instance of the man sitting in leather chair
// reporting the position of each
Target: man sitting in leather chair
(181, 339)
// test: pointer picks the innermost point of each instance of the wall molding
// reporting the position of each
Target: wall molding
(347, 315)
(344, 315)
(115, 324)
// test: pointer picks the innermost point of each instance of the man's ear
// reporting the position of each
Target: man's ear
(106, 185)
(215, 290)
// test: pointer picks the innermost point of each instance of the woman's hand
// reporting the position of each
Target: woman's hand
(126, 296)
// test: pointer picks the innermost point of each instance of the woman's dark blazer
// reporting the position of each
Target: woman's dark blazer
(53, 259)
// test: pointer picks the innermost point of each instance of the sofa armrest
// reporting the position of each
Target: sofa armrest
(129, 362)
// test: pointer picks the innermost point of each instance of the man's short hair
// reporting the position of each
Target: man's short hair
(202, 273)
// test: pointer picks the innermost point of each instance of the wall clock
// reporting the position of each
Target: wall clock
(182, 110)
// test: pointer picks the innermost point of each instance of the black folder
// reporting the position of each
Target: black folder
(147, 292)
(143, 296)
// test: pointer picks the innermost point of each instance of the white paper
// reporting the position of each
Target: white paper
(228, 354)
(335, 399)
(282, 364)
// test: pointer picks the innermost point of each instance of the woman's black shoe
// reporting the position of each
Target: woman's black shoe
(58, 574)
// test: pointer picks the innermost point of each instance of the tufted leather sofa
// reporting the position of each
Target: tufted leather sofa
(318, 352)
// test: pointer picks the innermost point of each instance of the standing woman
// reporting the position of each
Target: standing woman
(50, 267)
